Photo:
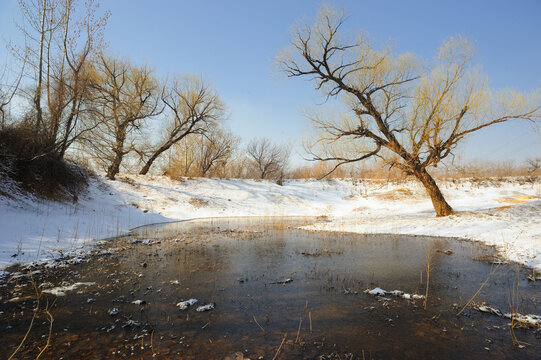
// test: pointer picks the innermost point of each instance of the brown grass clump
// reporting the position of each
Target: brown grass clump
(198, 203)
(396, 194)
(26, 158)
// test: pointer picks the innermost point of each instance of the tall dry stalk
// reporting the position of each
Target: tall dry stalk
(429, 254)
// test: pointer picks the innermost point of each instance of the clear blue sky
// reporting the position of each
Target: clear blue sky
(233, 44)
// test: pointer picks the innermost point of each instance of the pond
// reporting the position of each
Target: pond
(274, 291)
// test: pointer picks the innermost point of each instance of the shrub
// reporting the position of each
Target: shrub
(27, 159)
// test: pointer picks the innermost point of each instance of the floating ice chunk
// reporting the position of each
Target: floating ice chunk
(131, 323)
(207, 307)
(488, 309)
(411, 296)
(61, 290)
(380, 292)
(113, 311)
(376, 291)
(183, 305)
(527, 320)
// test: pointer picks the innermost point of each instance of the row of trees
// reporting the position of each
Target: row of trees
(108, 111)
(219, 155)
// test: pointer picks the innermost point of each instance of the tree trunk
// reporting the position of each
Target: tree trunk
(114, 168)
(37, 95)
(154, 156)
(438, 201)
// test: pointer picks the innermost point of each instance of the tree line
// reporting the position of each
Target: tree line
(78, 99)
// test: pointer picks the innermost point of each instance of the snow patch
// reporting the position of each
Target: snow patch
(207, 307)
(61, 290)
(183, 305)
(398, 293)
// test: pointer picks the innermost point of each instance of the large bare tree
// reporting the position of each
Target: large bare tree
(193, 107)
(124, 96)
(410, 116)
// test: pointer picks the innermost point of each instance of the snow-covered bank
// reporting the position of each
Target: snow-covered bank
(506, 214)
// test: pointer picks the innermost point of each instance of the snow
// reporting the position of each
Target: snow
(376, 292)
(506, 214)
(203, 308)
(398, 293)
(61, 290)
(183, 305)
(529, 320)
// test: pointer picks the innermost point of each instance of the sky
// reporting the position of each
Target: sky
(233, 44)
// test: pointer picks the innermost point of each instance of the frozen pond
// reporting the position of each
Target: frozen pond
(275, 289)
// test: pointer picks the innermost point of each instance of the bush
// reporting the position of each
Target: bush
(27, 159)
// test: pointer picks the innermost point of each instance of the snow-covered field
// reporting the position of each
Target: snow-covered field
(506, 214)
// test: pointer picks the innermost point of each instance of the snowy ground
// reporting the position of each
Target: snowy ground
(506, 214)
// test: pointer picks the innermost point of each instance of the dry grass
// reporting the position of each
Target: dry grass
(397, 194)
(514, 199)
(27, 160)
(198, 203)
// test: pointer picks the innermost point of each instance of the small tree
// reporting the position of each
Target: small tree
(534, 164)
(203, 155)
(193, 108)
(215, 151)
(410, 116)
(269, 160)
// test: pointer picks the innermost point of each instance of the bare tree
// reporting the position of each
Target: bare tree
(58, 48)
(410, 116)
(215, 150)
(40, 16)
(69, 92)
(193, 108)
(269, 160)
(8, 90)
(124, 96)
(203, 155)
(534, 164)
(183, 157)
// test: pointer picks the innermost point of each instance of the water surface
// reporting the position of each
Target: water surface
(273, 287)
